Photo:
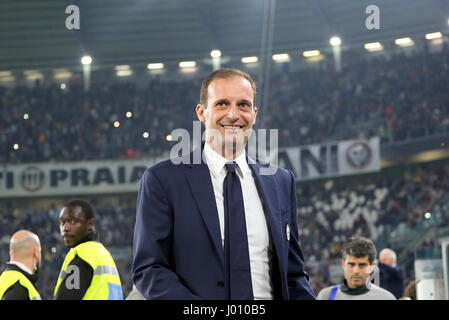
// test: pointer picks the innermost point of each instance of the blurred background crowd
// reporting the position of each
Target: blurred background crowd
(397, 98)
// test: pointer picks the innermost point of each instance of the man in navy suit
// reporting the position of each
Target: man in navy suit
(184, 232)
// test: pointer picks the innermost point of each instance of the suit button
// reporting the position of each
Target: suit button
(220, 284)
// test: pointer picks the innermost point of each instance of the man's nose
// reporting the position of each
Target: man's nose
(65, 227)
(233, 112)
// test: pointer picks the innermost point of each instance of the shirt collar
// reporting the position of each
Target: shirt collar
(216, 162)
(354, 292)
(21, 266)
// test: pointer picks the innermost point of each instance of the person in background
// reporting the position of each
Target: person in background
(89, 271)
(392, 276)
(17, 282)
(358, 262)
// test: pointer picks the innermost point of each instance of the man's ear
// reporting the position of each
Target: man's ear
(200, 112)
(91, 224)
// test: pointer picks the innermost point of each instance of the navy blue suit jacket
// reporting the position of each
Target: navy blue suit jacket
(177, 249)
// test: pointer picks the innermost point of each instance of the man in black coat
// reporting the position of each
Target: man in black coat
(392, 276)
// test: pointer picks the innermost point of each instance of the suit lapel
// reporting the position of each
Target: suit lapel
(266, 185)
(200, 183)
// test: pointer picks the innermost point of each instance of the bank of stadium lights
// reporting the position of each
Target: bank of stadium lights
(215, 53)
(116, 124)
(146, 135)
(26, 116)
(123, 70)
(281, 57)
(311, 53)
(250, 59)
(129, 114)
(32, 75)
(124, 73)
(6, 76)
(404, 42)
(61, 74)
(86, 60)
(373, 46)
(187, 64)
(155, 66)
(433, 35)
(335, 41)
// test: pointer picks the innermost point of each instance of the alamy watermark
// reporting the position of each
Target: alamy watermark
(373, 20)
(73, 20)
(255, 141)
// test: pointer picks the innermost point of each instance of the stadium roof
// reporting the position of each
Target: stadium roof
(33, 33)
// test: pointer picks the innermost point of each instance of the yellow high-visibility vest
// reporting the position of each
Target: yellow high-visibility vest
(10, 277)
(106, 284)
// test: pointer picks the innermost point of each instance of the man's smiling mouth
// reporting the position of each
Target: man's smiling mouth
(231, 127)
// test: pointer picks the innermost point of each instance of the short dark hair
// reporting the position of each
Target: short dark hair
(86, 207)
(359, 247)
(224, 73)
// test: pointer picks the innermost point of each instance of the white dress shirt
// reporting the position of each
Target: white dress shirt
(256, 224)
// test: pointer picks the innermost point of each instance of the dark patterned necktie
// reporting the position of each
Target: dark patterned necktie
(237, 265)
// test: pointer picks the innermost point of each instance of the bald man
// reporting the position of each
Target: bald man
(392, 276)
(17, 282)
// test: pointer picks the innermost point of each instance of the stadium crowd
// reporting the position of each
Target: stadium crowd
(329, 212)
(397, 98)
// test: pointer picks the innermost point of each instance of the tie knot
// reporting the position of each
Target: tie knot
(231, 166)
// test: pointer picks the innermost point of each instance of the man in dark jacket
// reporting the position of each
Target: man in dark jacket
(391, 275)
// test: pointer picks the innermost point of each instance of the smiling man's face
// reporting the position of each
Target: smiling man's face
(230, 112)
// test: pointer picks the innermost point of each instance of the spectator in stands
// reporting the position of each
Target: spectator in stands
(396, 98)
(392, 276)
(358, 262)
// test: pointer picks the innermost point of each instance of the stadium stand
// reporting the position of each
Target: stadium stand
(396, 98)
(402, 97)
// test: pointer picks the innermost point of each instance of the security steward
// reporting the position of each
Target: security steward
(89, 271)
(17, 282)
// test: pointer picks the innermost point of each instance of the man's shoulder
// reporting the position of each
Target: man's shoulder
(382, 293)
(166, 167)
(325, 293)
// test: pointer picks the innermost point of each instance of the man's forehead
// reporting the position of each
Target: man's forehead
(72, 211)
(364, 259)
(227, 85)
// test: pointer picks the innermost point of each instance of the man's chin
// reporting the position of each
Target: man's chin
(68, 243)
